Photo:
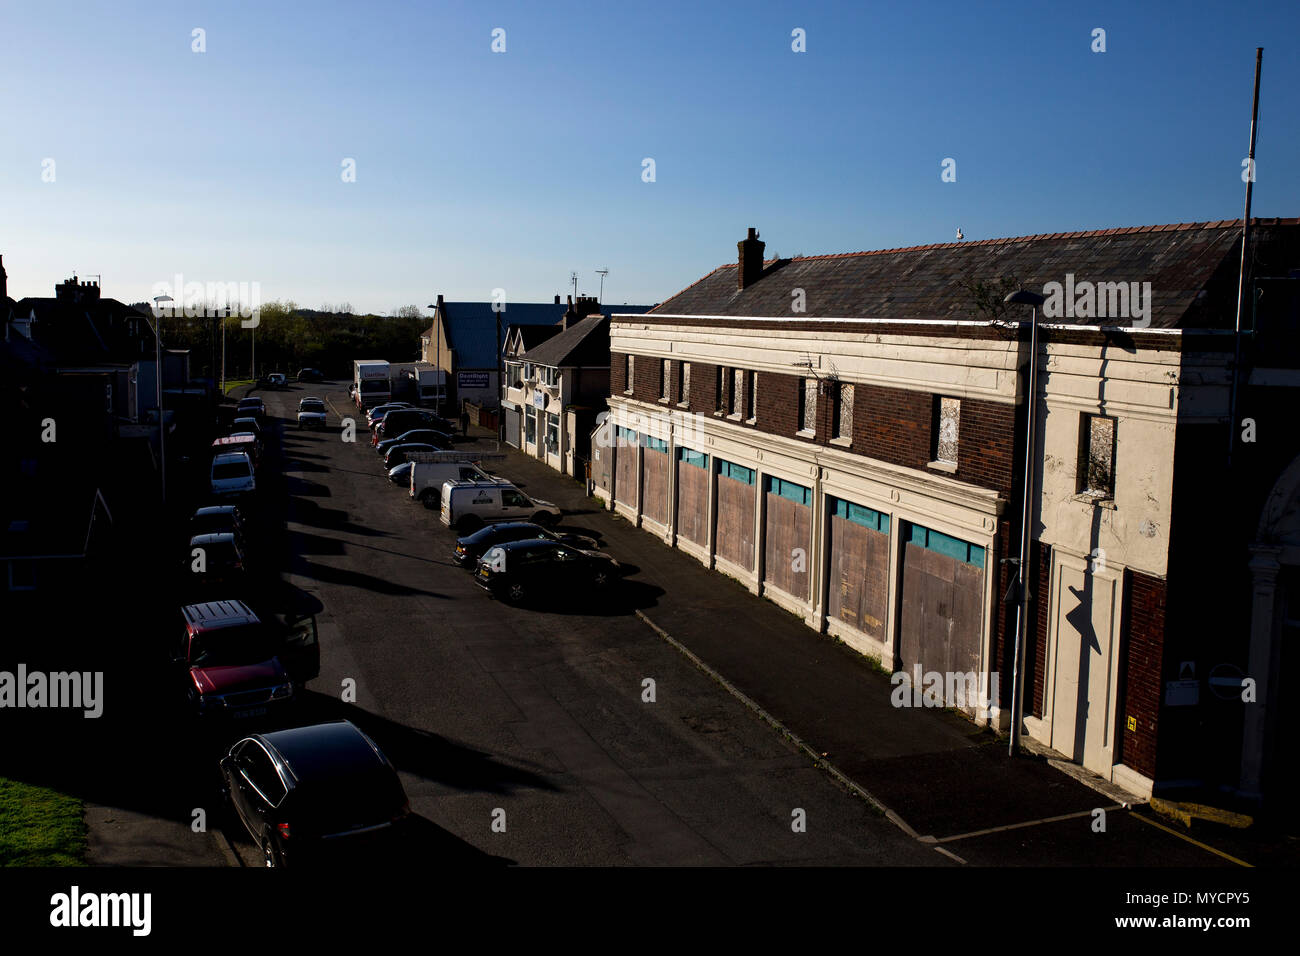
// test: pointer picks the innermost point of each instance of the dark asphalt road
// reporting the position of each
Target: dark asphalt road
(486, 708)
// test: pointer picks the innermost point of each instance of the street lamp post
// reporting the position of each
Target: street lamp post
(158, 377)
(1033, 299)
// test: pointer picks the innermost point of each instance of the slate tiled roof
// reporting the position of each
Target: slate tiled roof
(583, 344)
(471, 326)
(929, 282)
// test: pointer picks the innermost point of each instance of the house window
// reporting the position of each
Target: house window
(1097, 456)
(514, 373)
(549, 376)
(629, 373)
(530, 427)
(720, 391)
(752, 396)
(843, 409)
(665, 378)
(737, 391)
(947, 413)
(553, 433)
(808, 405)
(684, 384)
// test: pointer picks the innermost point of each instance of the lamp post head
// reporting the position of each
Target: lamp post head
(1024, 297)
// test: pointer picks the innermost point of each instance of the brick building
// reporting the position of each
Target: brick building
(845, 435)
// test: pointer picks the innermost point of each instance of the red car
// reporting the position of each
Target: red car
(239, 667)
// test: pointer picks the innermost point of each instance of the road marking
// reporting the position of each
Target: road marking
(949, 853)
(817, 758)
(1203, 846)
(1021, 826)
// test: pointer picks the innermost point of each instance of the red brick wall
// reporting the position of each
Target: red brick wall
(889, 424)
(1142, 677)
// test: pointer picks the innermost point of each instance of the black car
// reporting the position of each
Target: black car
(428, 436)
(217, 559)
(472, 547)
(319, 794)
(246, 425)
(397, 453)
(537, 567)
(310, 375)
(218, 519)
(251, 406)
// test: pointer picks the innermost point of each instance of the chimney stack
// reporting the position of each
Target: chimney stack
(439, 300)
(751, 259)
(557, 298)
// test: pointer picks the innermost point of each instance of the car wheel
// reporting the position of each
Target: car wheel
(601, 578)
(270, 855)
(431, 498)
(514, 592)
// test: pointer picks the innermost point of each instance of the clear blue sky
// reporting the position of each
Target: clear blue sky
(478, 170)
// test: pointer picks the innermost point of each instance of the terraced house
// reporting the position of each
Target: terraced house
(845, 434)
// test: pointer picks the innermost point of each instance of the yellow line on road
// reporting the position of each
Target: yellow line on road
(1203, 846)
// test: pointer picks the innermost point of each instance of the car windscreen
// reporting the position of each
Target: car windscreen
(230, 469)
(241, 644)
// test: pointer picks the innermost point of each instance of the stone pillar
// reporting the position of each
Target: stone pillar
(1261, 716)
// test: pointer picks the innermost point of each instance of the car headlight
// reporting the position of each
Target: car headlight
(283, 691)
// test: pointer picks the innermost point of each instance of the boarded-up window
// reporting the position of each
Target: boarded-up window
(1097, 456)
(684, 384)
(844, 411)
(737, 391)
(665, 377)
(629, 371)
(942, 611)
(654, 480)
(788, 536)
(720, 391)
(752, 395)
(735, 534)
(808, 405)
(947, 413)
(693, 495)
(625, 474)
(858, 573)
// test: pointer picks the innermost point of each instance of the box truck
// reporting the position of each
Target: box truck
(370, 383)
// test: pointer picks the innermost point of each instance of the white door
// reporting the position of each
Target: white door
(1084, 625)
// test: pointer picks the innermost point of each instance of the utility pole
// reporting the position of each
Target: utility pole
(1241, 276)
(158, 381)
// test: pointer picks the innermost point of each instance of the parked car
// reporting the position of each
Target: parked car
(399, 421)
(217, 558)
(232, 475)
(240, 441)
(537, 567)
(310, 375)
(397, 454)
(251, 406)
(311, 413)
(427, 478)
(400, 474)
(278, 380)
(472, 547)
(246, 425)
(239, 667)
(218, 519)
(314, 794)
(431, 436)
(373, 415)
(467, 506)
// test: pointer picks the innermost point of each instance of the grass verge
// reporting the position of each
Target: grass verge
(40, 827)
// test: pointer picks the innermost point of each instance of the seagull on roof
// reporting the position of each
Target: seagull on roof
(959, 235)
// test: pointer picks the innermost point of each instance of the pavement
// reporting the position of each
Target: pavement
(939, 777)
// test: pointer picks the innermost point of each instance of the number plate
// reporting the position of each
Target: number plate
(248, 712)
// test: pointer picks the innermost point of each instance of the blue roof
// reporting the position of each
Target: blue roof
(472, 330)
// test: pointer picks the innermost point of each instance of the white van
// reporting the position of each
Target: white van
(468, 505)
(232, 474)
(427, 478)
